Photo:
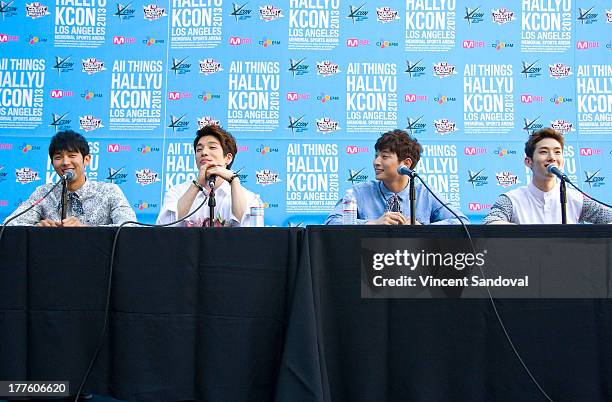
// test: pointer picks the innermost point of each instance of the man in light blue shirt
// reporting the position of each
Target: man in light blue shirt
(386, 201)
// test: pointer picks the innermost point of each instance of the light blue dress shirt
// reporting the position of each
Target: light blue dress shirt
(372, 199)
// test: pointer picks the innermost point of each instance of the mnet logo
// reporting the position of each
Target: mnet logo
(114, 148)
(58, 93)
(472, 44)
(527, 98)
(590, 151)
(584, 45)
(354, 149)
(414, 98)
(174, 95)
(294, 96)
(237, 41)
(476, 206)
(354, 42)
(122, 40)
(474, 151)
(4, 38)
(356, 176)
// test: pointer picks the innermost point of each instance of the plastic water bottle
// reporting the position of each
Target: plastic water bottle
(257, 213)
(349, 208)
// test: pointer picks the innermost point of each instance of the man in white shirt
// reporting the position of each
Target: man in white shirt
(539, 202)
(215, 150)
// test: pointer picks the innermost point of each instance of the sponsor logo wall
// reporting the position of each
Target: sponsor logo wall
(306, 87)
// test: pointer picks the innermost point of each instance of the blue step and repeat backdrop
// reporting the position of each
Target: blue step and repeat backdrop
(306, 87)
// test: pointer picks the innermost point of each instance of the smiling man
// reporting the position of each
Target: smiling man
(385, 201)
(90, 203)
(215, 150)
(539, 201)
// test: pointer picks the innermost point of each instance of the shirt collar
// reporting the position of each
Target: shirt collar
(404, 194)
(224, 188)
(541, 195)
(84, 189)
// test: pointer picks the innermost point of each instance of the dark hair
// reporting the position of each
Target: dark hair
(68, 141)
(227, 141)
(538, 136)
(402, 144)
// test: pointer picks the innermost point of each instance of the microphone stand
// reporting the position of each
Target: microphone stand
(64, 197)
(211, 203)
(412, 201)
(563, 194)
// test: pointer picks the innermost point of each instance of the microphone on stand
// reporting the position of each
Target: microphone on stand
(552, 169)
(211, 180)
(406, 171)
(211, 199)
(66, 177)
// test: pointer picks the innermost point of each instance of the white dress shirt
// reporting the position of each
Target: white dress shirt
(530, 205)
(223, 209)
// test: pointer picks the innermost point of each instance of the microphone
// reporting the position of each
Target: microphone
(552, 169)
(406, 171)
(211, 180)
(68, 176)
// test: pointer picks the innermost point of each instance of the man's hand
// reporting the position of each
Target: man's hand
(220, 171)
(202, 174)
(390, 218)
(49, 223)
(72, 222)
